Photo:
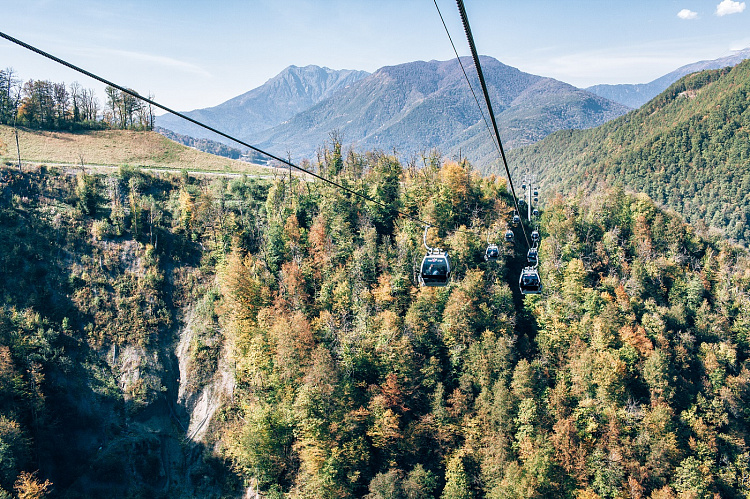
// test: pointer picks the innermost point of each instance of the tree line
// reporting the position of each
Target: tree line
(48, 105)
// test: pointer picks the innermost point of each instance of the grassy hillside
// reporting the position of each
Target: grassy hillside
(688, 149)
(113, 148)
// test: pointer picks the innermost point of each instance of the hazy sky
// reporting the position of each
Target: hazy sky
(195, 54)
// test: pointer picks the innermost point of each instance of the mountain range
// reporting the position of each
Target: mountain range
(410, 107)
(638, 94)
(417, 106)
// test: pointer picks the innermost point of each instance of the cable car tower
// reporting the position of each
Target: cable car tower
(530, 195)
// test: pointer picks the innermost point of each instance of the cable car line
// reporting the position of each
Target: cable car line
(529, 281)
(483, 83)
(203, 125)
(496, 143)
(458, 58)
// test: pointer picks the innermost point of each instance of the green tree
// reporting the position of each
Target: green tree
(457, 482)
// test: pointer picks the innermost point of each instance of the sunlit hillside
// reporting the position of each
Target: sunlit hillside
(112, 148)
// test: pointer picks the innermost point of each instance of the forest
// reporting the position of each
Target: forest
(688, 149)
(137, 296)
(43, 104)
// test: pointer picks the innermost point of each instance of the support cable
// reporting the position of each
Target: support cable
(203, 125)
(458, 58)
(475, 56)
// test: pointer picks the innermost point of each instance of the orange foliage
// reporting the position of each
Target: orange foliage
(293, 282)
(636, 337)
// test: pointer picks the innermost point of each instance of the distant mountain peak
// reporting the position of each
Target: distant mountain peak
(293, 90)
(636, 95)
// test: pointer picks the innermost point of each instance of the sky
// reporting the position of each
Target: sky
(195, 54)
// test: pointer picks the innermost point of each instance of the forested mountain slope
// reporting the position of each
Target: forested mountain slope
(635, 95)
(173, 337)
(689, 149)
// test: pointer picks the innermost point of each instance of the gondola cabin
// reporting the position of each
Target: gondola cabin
(535, 236)
(516, 219)
(492, 253)
(435, 269)
(532, 256)
(535, 212)
(530, 282)
(509, 236)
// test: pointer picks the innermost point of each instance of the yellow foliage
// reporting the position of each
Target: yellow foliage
(293, 342)
(586, 494)
(385, 427)
(28, 486)
(456, 178)
(383, 292)
(186, 208)
(573, 280)
(665, 492)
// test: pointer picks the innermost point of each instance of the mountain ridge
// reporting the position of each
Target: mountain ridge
(421, 105)
(688, 149)
(278, 99)
(635, 95)
(414, 107)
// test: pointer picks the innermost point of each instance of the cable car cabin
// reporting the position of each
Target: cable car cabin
(435, 270)
(521, 202)
(516, 219)
(529, 282)
(535, 236)
(532, 256)
(492, 253)
(535, 212)
(509, 236)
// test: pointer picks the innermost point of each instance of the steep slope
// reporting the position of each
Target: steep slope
(291, 91)
(636, 95)
(105, 285)
(689, 149)
(417, 106)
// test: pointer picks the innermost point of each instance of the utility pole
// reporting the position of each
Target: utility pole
(18, 148)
